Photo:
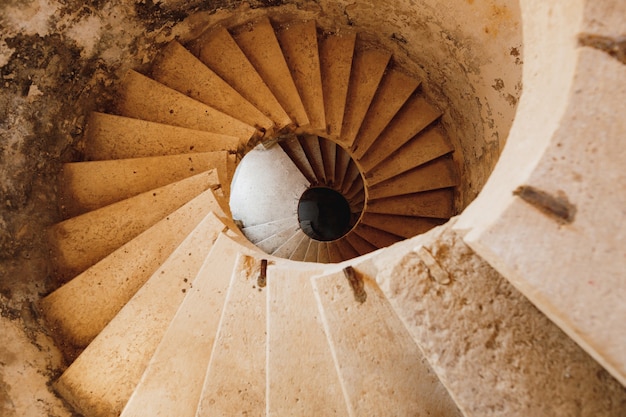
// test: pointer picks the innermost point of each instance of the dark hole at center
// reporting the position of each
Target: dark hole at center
(324, 214)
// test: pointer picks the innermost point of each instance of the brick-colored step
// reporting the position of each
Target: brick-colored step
(298, 41)
(415, 116)
(79, 242)
(429, 145)
(437, 204)
(377, 237)
(179, 69)
(218, 50)
(143, 98)
(368, 67)
(440, 173)
(403, 226)
(258, 42)
(394, 90)
(117, 137)
(86, 186)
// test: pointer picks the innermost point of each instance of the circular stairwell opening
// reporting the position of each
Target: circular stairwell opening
(324, 214)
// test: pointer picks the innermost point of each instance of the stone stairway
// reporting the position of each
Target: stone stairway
(169, 308)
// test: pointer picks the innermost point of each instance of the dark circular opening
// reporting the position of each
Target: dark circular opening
(324, 214)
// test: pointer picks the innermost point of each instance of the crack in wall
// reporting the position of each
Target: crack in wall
(615, 47)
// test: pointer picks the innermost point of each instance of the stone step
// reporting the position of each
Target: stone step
(346, 250)
(440, 173)
(297, 346)
(258, 42)
(299, 252)
(368, 68)
(293, 148)
(394, 90)
(424, 148)
(262, 231)
(101, 380)
(356, 188)
(275, 241)
(311, 252)
(180, 70)
(336, 53)
(236, 379)
(143, 98)
(117, 137)
(437, 203)
(333, 253)
(218, 50)
(172, 382)
(376, 237)
(290, 245)
(80, 309)
(359, 244)
(403, 226)
(342, 162)
(415, 116)
(380, 366)
(479, 324)
(87, 186)
(78, 243)
(329, 158)
(351, 176)
(298, 41)
(323, 256)
(311, 146)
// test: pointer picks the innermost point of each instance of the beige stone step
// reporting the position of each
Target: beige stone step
(311, 252)
(414, 117)
(87, 186)
(179, 69)
(377, 237)
(403, 226)
(359, 244)
(275, 241)
(290, 245)
(368, 67)
(262, 231)
(381, 368)
(329, 158)
(80, 309)
(311, 146)
(78, 243)
(299, 252)
(346, 250)
(394, 90)
(143, 98)
(302, 379)
(336, 53)
(438, 204)
(293, 149)
(218, 50)
(479, 324)
(259, 43)
(298, 41)
(236, 379)
(440, 173)
(116, 137)
(172, 382)
(323, 256)
(101, 380)
(429, 145)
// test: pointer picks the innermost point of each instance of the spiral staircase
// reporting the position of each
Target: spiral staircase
(172, 307)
